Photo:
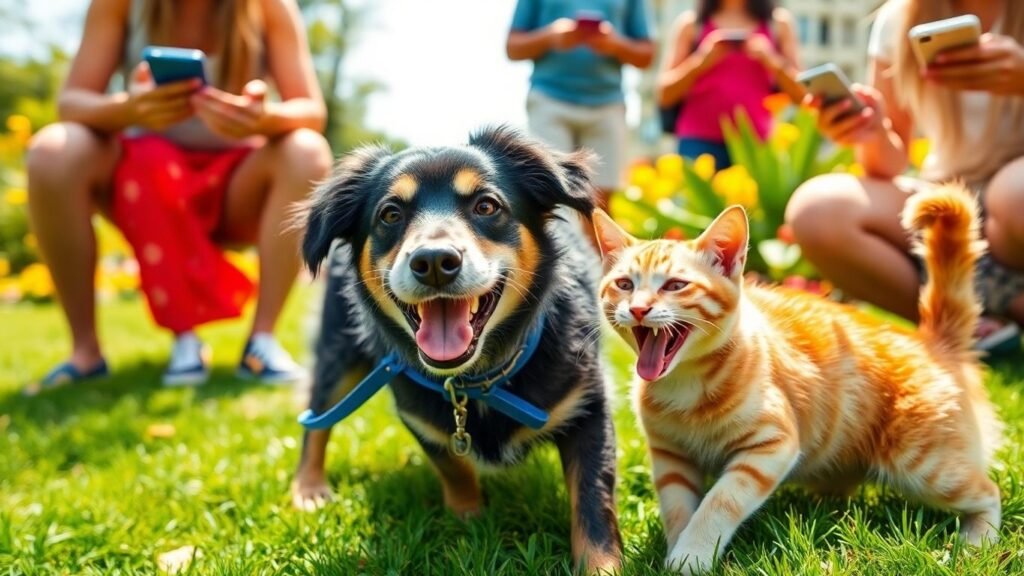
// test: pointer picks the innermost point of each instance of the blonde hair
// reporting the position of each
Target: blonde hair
(240, 48)
(914, 95)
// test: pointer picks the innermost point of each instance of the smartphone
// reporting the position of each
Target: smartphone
(589, 21)
(173, 64)
(734, 35)
(830, 84)
(931, 38)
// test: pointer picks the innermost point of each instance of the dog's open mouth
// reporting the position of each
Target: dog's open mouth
(448, 329)
(658, 348)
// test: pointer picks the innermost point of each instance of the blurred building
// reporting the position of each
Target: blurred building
(828, 31)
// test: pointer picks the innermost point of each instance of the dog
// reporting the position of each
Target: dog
(450, 258)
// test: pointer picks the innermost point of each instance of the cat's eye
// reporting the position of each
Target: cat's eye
(390, 214)
(674, 285)
(486, 206)
(624, 284)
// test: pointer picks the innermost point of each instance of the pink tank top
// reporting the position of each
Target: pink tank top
(737, 81)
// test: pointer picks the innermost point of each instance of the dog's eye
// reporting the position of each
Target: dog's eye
(624, 284)
(486, 207)
(674, 285)
(390, 214)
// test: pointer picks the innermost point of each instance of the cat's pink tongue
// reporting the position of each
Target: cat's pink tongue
(651, 362)
(445, 332)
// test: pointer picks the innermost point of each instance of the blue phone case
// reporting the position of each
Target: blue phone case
(173, 64)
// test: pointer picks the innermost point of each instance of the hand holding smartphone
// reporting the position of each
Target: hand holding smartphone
(829, 83)
(928, 40)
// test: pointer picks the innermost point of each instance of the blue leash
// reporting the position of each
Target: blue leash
(488, 387)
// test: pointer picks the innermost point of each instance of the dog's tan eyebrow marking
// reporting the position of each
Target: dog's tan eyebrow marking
(466, 181)
(405, 187)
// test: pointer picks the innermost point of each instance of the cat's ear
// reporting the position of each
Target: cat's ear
(611, 238)
(727, 239)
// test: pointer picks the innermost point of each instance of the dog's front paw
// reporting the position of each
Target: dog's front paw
(463, 507)
(309, 495)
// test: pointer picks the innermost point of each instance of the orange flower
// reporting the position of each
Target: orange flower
(776, 103)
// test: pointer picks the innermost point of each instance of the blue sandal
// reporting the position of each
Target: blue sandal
(1002, 342)
(63, 375)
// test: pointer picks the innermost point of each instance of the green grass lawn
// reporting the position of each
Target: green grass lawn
(88, 485)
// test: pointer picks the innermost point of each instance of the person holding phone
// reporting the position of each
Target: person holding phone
(726, 54)
(578, 48)
(969, 102)
(181, 166)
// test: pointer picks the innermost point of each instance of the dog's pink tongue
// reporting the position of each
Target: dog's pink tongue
(445, 333)
(651, 362)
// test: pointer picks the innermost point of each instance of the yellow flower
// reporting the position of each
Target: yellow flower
(856, 169)
(16, 196)
(30, 241)
(643, 176)
(247, 262)
(5, 267)
(18, 123)
(919, 149)
(704, 166)
(670, 167)
(35, 281)
(736, 186)
(784, 136)
(661, 188)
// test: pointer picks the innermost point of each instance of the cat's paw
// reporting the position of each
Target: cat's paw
(685, 565)
(689, 557)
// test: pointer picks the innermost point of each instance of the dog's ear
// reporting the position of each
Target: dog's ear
(335, 207)
(550, 178)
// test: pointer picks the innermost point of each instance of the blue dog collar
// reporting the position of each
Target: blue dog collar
(488, 387)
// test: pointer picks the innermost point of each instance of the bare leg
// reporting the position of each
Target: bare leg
(257, 209)
(1004, 226)
(69, 173)
(849, 228)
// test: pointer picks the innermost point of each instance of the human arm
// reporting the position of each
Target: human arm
(608, 42)
(290, 66)
(995, 65)
(879, 133)
(83, 98)
(781, 59)
(685, 64)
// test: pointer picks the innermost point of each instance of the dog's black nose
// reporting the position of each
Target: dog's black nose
(436, 266)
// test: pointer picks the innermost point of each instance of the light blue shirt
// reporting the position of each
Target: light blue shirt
(581, 76)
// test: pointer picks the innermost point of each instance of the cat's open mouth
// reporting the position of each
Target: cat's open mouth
(448, 329)
(658, 347)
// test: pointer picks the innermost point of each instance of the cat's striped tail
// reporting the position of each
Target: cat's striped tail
(945, 219)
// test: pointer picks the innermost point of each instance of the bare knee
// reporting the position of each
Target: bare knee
(304, 155)
(64, 151)
(822, 211)
(1004, 205)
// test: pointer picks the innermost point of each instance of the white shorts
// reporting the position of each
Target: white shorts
(568, 127)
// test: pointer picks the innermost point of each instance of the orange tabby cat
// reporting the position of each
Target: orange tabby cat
(759, 384)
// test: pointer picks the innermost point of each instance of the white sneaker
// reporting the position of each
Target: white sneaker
(265, 360)
(190, 362)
